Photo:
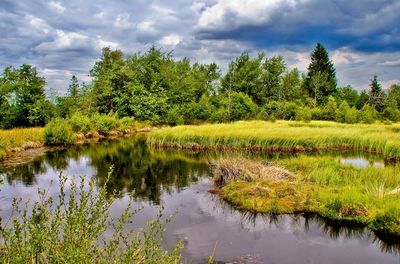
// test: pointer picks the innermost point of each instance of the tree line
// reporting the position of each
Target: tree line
(153, 86)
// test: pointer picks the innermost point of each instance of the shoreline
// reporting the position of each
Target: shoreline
(30, 150)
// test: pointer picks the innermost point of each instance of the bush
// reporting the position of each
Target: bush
(105, 123)
(81, 123)
(175, 117)
(242, 107)
(368, 114)
(74, 230)
(58, 132)
(391, 113)
(345, 114)
(304, 114)
(219, 116)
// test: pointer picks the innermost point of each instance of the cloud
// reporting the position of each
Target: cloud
(57, 6)
(123, 21)
(62, 38)
(170, 40)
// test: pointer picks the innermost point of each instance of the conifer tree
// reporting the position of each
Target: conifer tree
(73, 89)
(376, 94)
(321, 65)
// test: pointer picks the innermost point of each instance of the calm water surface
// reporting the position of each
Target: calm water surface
(180, 181)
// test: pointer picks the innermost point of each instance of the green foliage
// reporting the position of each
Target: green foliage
(175, 117)
(345, 114)
(41, 112)
(105, 123)
(368, 114)
(376, 95)
(71, 229)
(242, 107)
(304, 114)
(321, 76)
(58, 132)
(20, 91)
(81, 123)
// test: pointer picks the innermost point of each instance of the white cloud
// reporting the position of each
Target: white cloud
(390, 63)
(345, 56)
(123, 21)
(103, 43)
(57, 6)
(146, 27)
(233, 13)
(64, 40)
(38, 23)
(162, 10)
(170, 40)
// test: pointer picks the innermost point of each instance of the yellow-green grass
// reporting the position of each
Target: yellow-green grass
(283, 136)
(21, 138)
(341, 193)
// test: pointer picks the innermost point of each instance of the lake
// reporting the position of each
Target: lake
(208, 226)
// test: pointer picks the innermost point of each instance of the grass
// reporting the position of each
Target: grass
(283, 136)
(72, 229)
(20, 138)
(322, 185)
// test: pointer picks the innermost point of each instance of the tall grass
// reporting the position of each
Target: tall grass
(284, 136)
(23, 138)
(368, 196)
(71, 229)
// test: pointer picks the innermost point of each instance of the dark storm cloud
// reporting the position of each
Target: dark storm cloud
(363, 25)
(63, 37)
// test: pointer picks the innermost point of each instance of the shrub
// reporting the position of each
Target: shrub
(58, 132)
(242, 107)
(345, 114)
(368, 114)
(219, 116)
(81, 123)
(304, 114)
(74, 231)
(175, 117)
(105, 123)
(289, 110)
(391, 113)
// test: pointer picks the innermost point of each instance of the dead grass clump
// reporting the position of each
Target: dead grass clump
(353, 210)
(234, 169)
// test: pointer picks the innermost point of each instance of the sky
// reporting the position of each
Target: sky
(62, 38)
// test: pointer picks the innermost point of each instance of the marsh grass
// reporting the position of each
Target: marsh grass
(71, 228)
(20, 138)
(322, 185)
(287, 136)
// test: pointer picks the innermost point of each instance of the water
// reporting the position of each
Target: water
(207, 224)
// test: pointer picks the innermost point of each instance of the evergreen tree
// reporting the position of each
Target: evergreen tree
(323, 66)
(73, 89)
(376, 95)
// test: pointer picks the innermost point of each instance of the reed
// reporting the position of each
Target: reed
(290, 136)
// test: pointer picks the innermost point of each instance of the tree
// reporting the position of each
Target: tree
(321, 65)
(393, 97)
(291, 86)
(20, 89)
(376, 94)
(73, 89)
(349, 94)
(244, 75)
(273, 69)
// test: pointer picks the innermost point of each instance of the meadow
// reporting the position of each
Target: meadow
(288, 136)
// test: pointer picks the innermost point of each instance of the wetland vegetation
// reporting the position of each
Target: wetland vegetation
(258, 108)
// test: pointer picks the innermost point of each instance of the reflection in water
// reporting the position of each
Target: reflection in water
(181, 181)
